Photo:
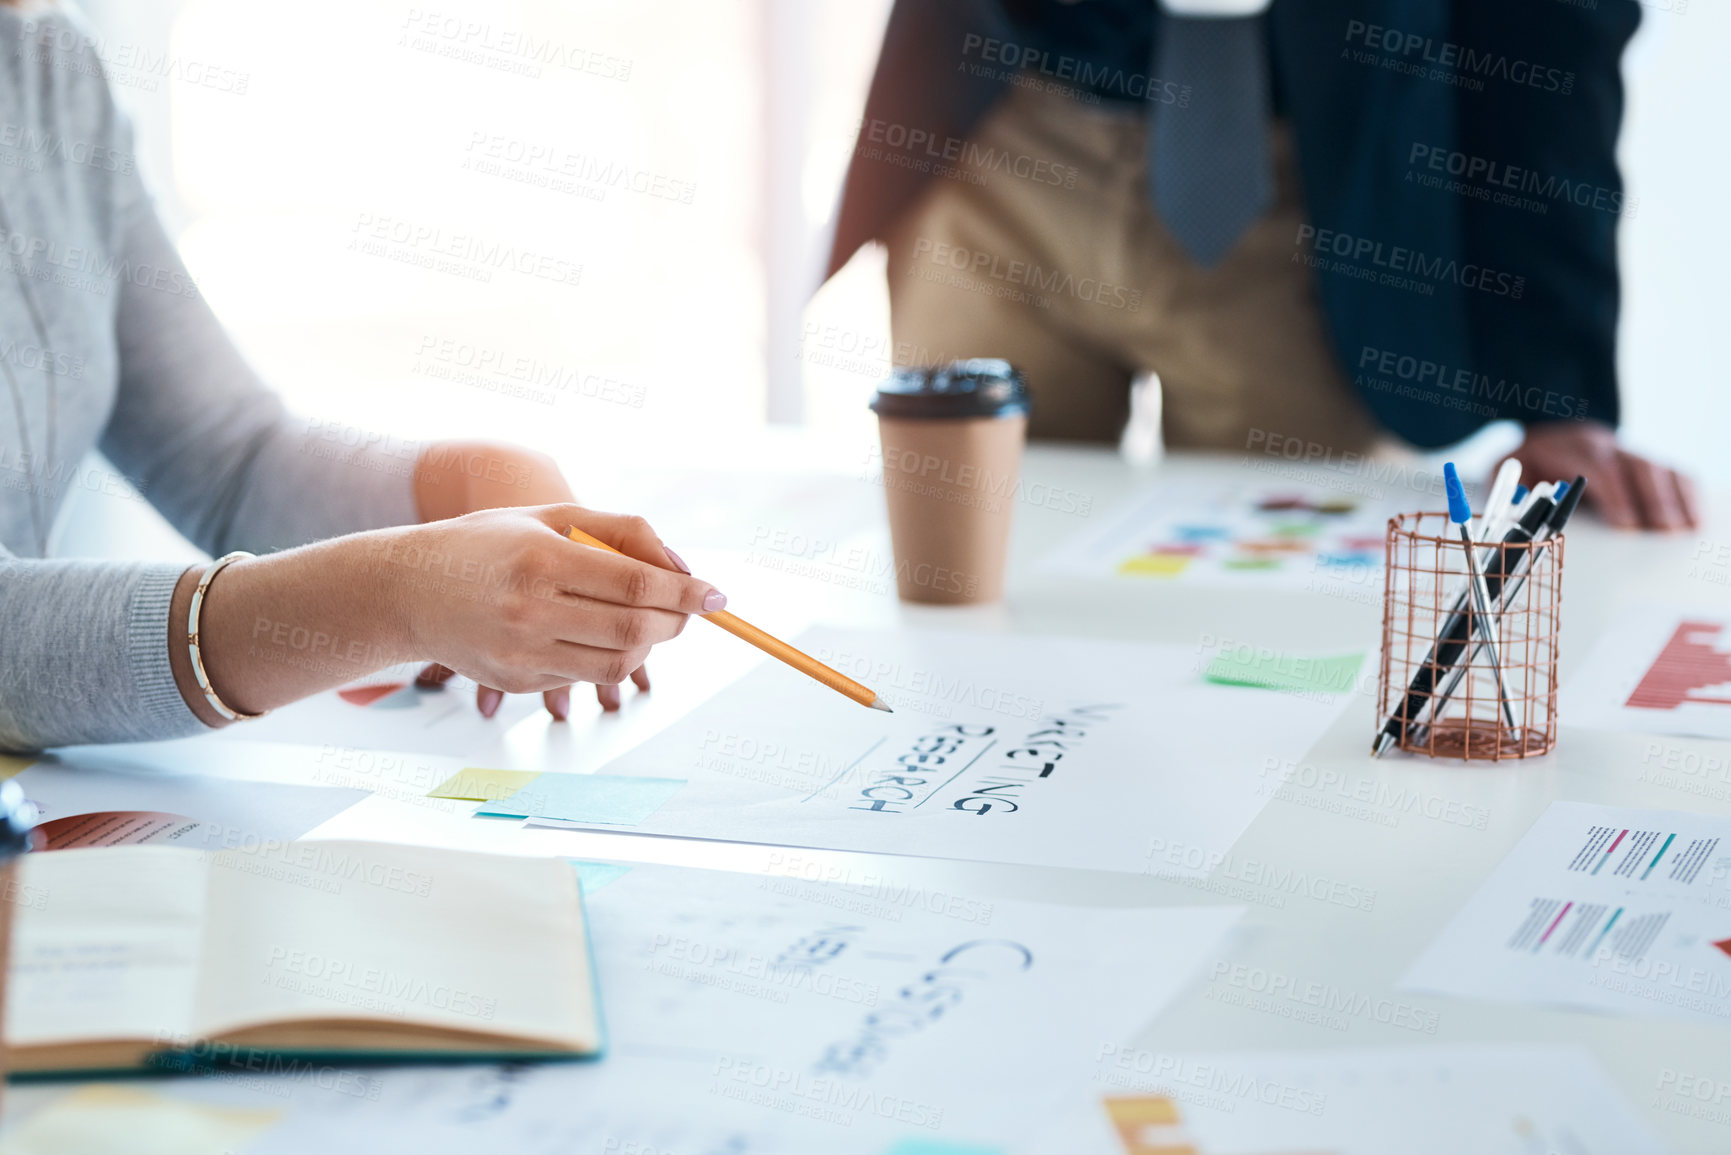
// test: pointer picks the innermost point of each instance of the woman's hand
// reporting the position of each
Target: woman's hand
(453, 478)
(502, 596)
(558, 702)
(513, 603)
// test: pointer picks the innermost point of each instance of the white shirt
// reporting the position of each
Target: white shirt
(1214, 8)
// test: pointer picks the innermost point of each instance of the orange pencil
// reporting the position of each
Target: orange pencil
(771, 645)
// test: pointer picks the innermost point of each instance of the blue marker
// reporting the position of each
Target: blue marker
(1461, 513)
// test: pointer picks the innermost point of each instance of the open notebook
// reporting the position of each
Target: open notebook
(150, 956)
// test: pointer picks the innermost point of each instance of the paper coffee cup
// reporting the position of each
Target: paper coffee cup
(952, 453)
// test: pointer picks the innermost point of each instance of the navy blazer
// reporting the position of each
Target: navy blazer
(1458, 168)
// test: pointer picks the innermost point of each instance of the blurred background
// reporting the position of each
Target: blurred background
(596, 227)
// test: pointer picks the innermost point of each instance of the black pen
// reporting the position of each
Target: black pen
(1452, 639)
(1552, 527)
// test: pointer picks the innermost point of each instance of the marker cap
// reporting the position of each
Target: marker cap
(1460, 511)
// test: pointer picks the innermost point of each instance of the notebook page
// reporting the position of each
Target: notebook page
(107, 945)
(350, 930)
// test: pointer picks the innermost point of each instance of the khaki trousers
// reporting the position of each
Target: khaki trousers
(1039, 245)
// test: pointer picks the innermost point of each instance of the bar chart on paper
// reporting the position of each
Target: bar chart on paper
(1657, 670)
(1613, 909)
(1287, 536)
(1694, 667)
(1636, 858)
(1585, 928)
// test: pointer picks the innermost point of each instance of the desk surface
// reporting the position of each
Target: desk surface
(1420, 869)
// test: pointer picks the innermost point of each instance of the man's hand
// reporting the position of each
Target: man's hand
(453, 478)
(1628, 491)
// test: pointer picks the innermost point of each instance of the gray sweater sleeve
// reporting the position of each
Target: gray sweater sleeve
(85, 657)
(211, 446)
(86, 654)
(84, 645)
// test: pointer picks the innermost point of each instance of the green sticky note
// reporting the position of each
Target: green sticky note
(478, 784)
(1246, 666)
(608, 799)
(940, 1147)
(592, 876)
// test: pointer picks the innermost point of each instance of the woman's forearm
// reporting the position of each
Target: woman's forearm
(457, 477)
(275, 629)
(501, 596)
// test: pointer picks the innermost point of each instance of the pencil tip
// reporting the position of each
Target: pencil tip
(878, 704)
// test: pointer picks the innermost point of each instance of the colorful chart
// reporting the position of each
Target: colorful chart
(1657, 670)
(1694, 666)
(1239, 535)
(1602, 908)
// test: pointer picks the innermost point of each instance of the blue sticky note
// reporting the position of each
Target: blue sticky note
(592, 876)
(1202, 532)
(610, 799)
(940, 1147)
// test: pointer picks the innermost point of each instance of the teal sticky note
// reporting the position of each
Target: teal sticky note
(592, 876)
(1248, 666)
(940, 1147)
(610, 799)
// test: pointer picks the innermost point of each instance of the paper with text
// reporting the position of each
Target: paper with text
(766, 1015)
(1598, 907)
(1042, 750)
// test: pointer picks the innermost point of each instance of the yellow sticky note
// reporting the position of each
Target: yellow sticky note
(479, 784)
(100, 1118)
(1155, 565)
(11, 765)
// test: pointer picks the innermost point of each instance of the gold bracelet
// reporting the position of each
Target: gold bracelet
(216, 703)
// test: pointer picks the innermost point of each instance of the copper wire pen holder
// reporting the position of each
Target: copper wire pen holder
(1441, 690)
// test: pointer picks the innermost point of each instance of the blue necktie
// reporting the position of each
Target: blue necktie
(1208, 161)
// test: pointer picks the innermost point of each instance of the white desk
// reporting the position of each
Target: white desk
(1421, 870)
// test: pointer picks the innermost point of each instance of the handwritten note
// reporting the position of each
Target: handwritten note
(1049, 751)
